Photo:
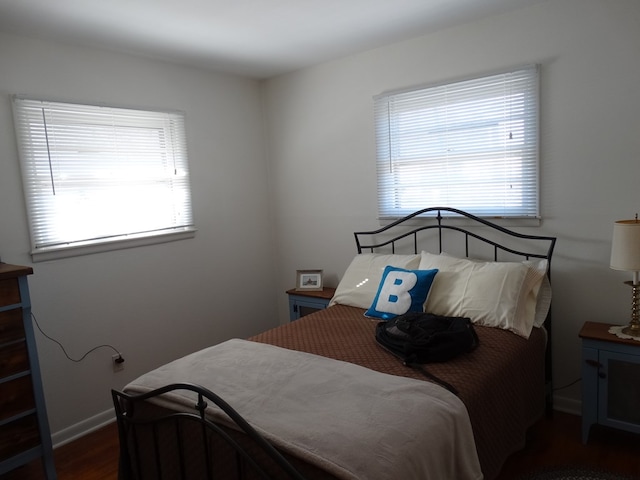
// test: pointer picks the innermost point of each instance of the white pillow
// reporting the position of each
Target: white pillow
(496, 294)
(543, 301)
(541, 296)
(360, 282)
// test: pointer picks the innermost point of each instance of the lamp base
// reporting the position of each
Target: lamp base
(633, 330)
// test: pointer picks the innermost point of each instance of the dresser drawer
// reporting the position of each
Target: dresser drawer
(14, 359)
(9, 292)
(16, 396)
(11, 326)
(18, 436)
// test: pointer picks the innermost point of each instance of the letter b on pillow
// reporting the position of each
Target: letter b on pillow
(401, 291)
(393, 295)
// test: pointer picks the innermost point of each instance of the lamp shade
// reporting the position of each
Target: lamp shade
(625, 246)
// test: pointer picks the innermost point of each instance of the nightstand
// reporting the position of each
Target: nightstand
(303, 303)
(610, 380)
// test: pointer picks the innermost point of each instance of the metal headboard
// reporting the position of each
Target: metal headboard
(545, 244)
(406, 232)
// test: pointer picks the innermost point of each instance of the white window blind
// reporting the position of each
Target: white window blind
(101, 175)
(471, 145)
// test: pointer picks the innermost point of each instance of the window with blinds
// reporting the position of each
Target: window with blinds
(101, 176)
(471, 145)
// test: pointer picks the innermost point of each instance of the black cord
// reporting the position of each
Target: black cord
(567, 385)
(65, 352)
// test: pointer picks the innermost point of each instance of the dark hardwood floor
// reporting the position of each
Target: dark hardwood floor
(552, 442)
(557, 442)
(92, 457)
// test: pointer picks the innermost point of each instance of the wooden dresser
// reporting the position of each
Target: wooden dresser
(24, 429)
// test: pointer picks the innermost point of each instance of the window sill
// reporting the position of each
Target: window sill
(88, 248)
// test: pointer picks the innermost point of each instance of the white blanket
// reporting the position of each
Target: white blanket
(348, 420)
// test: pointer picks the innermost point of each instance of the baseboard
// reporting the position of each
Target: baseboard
(81, 429)
(567, 405)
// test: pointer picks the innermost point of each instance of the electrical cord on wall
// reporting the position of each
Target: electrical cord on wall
(119, 360)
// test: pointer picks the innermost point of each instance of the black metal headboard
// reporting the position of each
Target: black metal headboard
(445, 229)
(500, 240)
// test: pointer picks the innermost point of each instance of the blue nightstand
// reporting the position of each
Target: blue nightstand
(303, 303)
(610, 380)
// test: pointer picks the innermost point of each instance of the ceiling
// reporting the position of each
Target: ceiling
(255, 38)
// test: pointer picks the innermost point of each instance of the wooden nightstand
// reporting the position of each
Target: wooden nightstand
(610, 380)
(303, 303)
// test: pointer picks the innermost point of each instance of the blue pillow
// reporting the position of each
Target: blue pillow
(401, 291)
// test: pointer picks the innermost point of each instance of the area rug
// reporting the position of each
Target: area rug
(575, 473)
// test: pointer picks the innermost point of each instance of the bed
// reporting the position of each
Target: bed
(339, 406)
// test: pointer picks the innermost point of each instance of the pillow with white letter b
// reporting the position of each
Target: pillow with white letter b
(401, 291)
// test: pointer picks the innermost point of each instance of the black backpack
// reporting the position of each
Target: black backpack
(418, 338)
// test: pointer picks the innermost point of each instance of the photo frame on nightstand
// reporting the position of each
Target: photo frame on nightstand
(309, 280)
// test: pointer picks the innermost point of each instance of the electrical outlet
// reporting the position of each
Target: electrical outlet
(118, 362)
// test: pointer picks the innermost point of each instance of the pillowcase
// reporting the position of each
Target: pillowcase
(495, 294)
(543, 298)
(360, 282)
(401, 291)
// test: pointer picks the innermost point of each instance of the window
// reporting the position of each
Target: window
(98, 178)
(471, 145)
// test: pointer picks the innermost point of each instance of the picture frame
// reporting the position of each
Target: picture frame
(309, 280)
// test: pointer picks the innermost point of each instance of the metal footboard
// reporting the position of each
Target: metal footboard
(187, 445)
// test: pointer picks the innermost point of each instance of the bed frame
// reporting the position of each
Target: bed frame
(157, 446)
(442, 230)
(408, 234)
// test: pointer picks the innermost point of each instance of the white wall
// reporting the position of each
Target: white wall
(153, 303)
(322, 155)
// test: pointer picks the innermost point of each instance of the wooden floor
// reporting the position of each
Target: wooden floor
(552, 442)
(557, 442)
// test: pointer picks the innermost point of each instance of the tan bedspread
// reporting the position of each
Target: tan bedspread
(501, 382)
(350, 421)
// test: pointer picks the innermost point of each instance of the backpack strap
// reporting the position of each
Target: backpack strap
(429, 375)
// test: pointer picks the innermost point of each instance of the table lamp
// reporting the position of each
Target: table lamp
(625, 255)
